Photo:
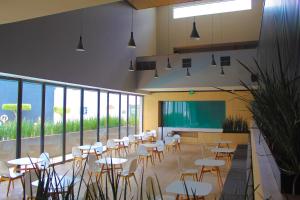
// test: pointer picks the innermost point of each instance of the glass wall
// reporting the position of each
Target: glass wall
(113, 119)
(120, 113)
(131, 115)
(53, 141)
(8, 118)
(90, 111)
(31, 119)
(73, 118)
(139, 116)
(103, 116)
(123, 115)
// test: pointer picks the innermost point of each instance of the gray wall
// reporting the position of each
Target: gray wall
(45, 47)
(202, 74)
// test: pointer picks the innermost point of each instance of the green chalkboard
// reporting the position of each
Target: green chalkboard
(193, 114)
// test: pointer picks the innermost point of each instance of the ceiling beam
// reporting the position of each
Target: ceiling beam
(217, 47)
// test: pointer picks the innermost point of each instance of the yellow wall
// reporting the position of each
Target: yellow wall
(234, 106)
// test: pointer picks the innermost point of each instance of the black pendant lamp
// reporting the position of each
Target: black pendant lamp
(80, 45)
(194, 33)
(131, 43)
(187, 72)
(131, 69)
(169, 67)
(222, 71)
(213, 61)
(155, 73)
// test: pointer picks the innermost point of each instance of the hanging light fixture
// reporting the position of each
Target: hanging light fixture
(222, 71)
(155, 73)
(213, 61)
(131, 43)
(187, 72)
(131, 69)
(80, 43)
(194, 33)
(168, 67)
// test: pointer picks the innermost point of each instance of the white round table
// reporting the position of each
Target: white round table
(200, 189)
(111, 161)
(88, 147)
(223, 152)
(26, 161)
(209, 165)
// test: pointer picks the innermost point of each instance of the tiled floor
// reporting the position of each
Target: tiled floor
(166, 171)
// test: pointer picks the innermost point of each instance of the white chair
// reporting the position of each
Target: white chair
(177, 139)
(98, 144)
(78, 157)
(8, 174)
(170, 143)
(184, 172)
(30, 190)
(132, 141)
(159, 149)
(93, 168)
(130, 172)
(111, 146)
(143, 154)
(98, 151)
(151, 189)
(44, 161)
(153, 132)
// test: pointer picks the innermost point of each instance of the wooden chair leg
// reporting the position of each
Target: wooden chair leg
(128, 181)
(8, 187)
(135, 180)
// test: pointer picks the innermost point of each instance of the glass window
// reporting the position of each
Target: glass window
(73, 119)
(131, 113)
(123, 115)
(113, 120)
(90, 116)
(8, 119)
(53, 142)
(103, 116)
(31, 119)
(139, 120)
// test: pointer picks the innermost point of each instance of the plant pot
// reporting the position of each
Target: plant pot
(283, 179)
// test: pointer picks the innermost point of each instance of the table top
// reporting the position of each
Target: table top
(199, 188)
(222, 150)
(223, 142)
(209, 162)
(61, 181)
(23, 161)
(90, 147)
(114, 161)
(150, 145)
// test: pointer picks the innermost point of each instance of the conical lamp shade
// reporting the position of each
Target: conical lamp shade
(131, 69)
(131, 43)
(169, 67)
(222, 72)
(195, 34)
(80, 45)
(187, 72)
(155, 74)
(213, 61)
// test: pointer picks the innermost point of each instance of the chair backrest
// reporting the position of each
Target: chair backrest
(44, 160)
(133, 166)
(169, 140)
(4, 169)
(126, 141)
(177, 137)
(98, 144)
(154, 134)
(91, 162)
(142, 150)
(131, 138)
(160, 145)
(29, 177)
(76, 152)
(99, 150)
(110, 144)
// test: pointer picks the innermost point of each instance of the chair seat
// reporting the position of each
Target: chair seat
(14, 174)
(189, 171)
